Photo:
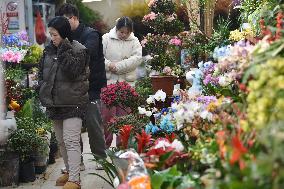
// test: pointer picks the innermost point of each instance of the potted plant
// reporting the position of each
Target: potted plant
(9, 168)
(25, 143)
(143, 87)
(41, 155)
(53, 148)
(32, 57)
(120, 94)
(164, 60)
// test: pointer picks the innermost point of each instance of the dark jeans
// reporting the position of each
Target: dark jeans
(95, 129)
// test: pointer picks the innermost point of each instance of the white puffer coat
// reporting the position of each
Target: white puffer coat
(127, 53)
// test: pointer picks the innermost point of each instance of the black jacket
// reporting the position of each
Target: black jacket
(92, 40)
(63, 75)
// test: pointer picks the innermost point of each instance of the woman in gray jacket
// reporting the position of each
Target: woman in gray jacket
(63, 90)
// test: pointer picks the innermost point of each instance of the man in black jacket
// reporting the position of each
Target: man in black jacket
(92, 40)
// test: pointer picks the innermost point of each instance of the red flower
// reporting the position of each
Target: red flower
(159, 151)
(238, 151)
(171, 137)
(143, 140)
(242, 87)
(119, 94)
(221, 136)
(125, 132)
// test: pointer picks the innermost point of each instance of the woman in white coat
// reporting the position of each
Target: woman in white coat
(123, 54)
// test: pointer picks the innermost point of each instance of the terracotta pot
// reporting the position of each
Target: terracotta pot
(166, 83)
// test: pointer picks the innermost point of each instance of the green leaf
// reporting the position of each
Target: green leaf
(157, 180)
(27, 110)
(173, 171)
(165, 156)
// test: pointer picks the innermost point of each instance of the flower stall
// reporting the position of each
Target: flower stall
(28, 136)
(225, 129)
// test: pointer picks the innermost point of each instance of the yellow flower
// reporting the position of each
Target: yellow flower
(40, 131)
(211, 107)
(244, 125)
(14, 105)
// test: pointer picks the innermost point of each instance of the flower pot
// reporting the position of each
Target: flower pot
(41, 158)
(9, 169)
(182, 82)
(27, 171)
(40, 163)
(165, 83)
(52, 153)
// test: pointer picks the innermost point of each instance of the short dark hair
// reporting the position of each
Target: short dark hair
(125, 22)
(68, 10)
(62, 25)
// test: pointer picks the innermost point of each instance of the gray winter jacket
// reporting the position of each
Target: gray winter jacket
(63, 75)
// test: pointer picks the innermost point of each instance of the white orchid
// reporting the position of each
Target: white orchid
(177, 145)
(148, 113)
(150, 99)
(206, 115)
(223, 81)
(160, 95)
(228, 78)
(162, 144)
(142, 110)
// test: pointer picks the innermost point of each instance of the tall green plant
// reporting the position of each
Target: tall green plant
(220, 36)
(87, 15)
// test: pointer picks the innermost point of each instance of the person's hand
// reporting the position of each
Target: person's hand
(112, 67)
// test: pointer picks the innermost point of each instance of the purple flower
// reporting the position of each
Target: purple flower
(206, 99)
(210, 80)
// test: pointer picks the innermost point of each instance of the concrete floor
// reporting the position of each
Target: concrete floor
(47, 180)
